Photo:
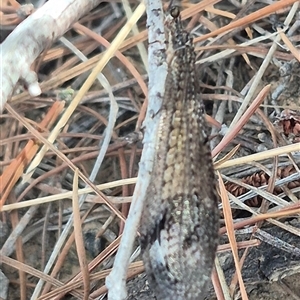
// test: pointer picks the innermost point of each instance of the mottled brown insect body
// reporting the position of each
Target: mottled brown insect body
(179, 225)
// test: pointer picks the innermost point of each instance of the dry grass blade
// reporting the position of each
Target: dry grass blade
(20, 256)
(79, 239)
(240, 245)
(261, 156)
(231, 236)
(290, 45)
(287, 211)
(219, 282)
(68, 195)
(227, 157)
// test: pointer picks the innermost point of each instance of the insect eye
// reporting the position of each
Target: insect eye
(175, 11)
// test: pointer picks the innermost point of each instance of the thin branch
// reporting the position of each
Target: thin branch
(116, 281)
(31, 37)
